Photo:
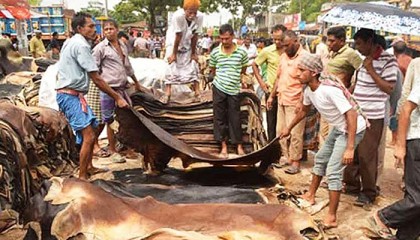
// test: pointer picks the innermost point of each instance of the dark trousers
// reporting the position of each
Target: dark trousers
(364, 170)
(404, 215)
(227, 119)
(272, 119)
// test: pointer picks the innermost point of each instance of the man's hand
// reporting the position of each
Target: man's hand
(270, 102)
(368, 63)
(138, 87)
(194, 57)
(121, 103)
(399, 155)
(172, 58)
(299, 107)
(264, 87)
(348, 156)
(284, 133)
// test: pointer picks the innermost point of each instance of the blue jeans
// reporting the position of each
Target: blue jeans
(329, 159)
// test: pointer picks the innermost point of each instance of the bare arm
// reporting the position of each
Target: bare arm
(194, 40)
(403, 123)
(385, 86)
(256, 71)
(351, 120)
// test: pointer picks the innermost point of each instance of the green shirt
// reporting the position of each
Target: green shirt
(228, 69)
(271, 56)
(346, 60)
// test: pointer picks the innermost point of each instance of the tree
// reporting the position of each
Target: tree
(125, 12)
(310, 9)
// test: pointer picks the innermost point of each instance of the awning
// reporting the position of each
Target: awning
(6, 14)
(19, 12)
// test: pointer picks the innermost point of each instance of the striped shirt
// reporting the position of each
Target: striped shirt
(228, 69)
(367, 93)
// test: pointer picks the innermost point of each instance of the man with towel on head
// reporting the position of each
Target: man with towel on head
(181, 44)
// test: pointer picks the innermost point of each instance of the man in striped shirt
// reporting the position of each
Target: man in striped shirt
(227, 62)
(375, 80)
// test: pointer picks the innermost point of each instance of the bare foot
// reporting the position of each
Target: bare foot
(240, 150)
(309, 198)
(330, 221)
(223, 155)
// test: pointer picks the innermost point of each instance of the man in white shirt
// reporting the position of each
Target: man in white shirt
(404, 214)
(335, 104)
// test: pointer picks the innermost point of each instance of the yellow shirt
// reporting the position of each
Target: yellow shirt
(37, 48)
(271, 56)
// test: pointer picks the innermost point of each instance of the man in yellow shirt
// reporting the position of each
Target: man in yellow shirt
(271, 56)
(36, 46)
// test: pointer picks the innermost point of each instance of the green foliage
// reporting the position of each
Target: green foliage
(92, 11)
(310, 9)
(34, 2)
(125, 12)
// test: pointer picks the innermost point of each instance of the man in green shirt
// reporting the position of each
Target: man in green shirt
(270, 56)
(227, 62)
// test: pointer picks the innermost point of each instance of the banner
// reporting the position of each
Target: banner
(292, 21)
(15, 3)
(18, 8)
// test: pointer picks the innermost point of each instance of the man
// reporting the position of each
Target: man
(329, 97)
(111, 56)
(181, 45)
(374, 82)
(140, 46)
(54, 46)
(288, 90)
(227, 63)
(75, 67)
(270, 56)
(322, 50)
(400, 52)
(36, 46)
(342, 60)
(404, 215)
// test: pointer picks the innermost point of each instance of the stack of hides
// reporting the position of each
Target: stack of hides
(192, 121)
(36, 143)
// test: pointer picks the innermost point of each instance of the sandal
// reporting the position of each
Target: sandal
(102, 153)
(281, 164)
(117, 158)
(292, 170)
(382, 232)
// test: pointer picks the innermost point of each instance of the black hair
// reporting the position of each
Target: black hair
(337, 32)
(289, 33)
(365, 35)
(55, 34)
(400, 47)
(122, 34)
(111, 21)
(278, 27)
(324, 38)
(226, 28)
(139, 34)
(79, 20)
(381, 41)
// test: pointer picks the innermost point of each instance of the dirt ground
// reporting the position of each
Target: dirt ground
(351, 218)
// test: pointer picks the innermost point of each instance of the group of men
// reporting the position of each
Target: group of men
(352, 92)
(349, 92)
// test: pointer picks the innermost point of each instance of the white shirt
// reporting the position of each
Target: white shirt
(332, 105)
(414, 128)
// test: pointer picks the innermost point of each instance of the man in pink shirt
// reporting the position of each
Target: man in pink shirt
(288, 89)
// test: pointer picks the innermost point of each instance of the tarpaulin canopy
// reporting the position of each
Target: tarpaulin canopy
(18, 8)
(5, 14)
